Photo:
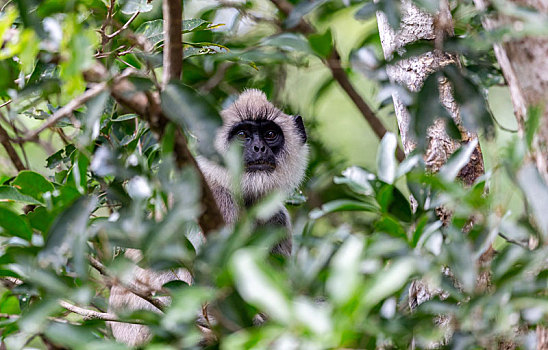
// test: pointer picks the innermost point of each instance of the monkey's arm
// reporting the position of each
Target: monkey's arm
(219, 181)
(281, 218)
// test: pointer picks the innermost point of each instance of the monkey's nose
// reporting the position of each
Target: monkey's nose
(261, 148)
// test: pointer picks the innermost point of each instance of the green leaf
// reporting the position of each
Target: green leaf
(301, 9)
(388, 225)
(386, 158)
(289, 42)
(68, 236)
(256, 285)
(344, 277)
(195, 24)
(532, 123)
(193, 113)
(132, 6)
(153, 31)
(536, 193)
(367, 11)
(78, 173)
(9, 303)
(14, 225)
(357, 179)
(322, 44)
(342, 205)
(473, 108)
(427, 108)
(32, 184)
(389, 281)
(12, 194)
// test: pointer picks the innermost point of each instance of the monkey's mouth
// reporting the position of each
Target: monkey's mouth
(259, 165)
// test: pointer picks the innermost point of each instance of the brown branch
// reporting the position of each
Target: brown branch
(102, 30)
(94, 315)
(66, 110)
(6, 143)
(124, 27)
(173, 43)
(5, 103)
(333, 62)
(144, 294)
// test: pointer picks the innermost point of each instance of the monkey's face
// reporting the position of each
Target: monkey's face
(262, 142)
(274, 144)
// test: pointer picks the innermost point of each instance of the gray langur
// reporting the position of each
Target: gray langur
(275, 156)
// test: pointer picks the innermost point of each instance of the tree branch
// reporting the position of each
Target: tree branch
(173, 44)
(6, 143)
(66, 110)
(94, 315)
(145, 294)
(333, 62)
(124, 27)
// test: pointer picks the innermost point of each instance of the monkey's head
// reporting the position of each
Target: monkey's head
(275, 152)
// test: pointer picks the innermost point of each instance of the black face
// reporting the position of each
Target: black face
(262, 140)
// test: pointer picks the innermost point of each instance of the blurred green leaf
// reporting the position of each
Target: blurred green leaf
(289, 42)
(255, 284)
(301, 9)
(457, 161)
(322, 44)
(341, 205)
(32, 184)
(532, 124)
(193, 113)
(357, 179)
(132, 6)
(14, 225)
(536, 192)
(344, 282)
(386, 158)
(8, 193)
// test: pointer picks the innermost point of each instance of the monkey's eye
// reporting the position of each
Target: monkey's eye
(270, 135)
(241, 135)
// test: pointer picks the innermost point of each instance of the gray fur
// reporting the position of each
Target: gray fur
(289, 172)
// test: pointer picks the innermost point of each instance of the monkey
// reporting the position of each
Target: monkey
(275, 157)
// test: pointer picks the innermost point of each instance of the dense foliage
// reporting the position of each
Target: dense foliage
(109, 183)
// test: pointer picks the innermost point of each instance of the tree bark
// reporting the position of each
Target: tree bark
(412, 73)
(524, 64)
(173, 42)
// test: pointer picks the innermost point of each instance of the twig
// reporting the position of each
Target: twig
(216, 78)
(6, 143)
(55, 319)
(94, 315)
(131, 287)
(5, 103)
(66, 110)
(124, 27)
(102, 30)
(173, 44)
(333, 62)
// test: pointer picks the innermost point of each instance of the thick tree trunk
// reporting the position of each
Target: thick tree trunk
(524, 63)
(411, 73)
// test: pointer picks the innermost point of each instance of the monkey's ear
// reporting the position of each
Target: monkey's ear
(300, 127)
